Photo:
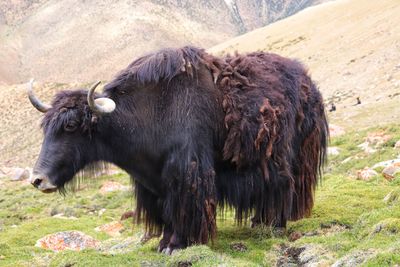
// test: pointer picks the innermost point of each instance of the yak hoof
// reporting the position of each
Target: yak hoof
(167, 251)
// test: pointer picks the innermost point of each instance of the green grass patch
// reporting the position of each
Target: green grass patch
(349, 215)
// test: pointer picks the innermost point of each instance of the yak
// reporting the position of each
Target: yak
(195, 132)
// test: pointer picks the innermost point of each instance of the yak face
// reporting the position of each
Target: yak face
(65, 148)
(69, 138)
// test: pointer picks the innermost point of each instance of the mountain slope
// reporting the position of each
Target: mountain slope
(351, 49)
(72, 40)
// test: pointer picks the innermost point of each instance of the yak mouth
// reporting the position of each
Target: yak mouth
(48, 190)
(43, 183)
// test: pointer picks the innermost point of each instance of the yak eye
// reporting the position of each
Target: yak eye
(71, 126)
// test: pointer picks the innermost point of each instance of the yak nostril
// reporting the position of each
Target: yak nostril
(37, 182)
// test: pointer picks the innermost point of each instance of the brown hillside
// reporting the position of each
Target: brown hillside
(351, 47)
(80, 41)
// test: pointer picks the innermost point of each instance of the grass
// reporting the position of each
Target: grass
(349, 216)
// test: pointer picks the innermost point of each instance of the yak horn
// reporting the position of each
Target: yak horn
(102, 105)
(35, 101)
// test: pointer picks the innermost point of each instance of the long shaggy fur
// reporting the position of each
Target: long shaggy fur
(197, 131)
(274, 136)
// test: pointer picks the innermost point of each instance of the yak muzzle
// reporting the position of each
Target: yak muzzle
(43, 183)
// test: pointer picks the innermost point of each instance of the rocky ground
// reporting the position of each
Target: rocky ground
(355, 221)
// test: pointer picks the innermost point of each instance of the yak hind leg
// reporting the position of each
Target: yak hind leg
(274, 202)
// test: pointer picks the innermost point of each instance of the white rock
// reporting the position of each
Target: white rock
(333, 151)
(346, 160)
(367, 149)
(390, 171)
(366, 174)
(386, 163)
(397, 145)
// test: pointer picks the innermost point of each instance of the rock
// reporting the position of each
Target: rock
(295, 236)
(128, 214)
(239, 246)
(386, 163)
(392, 197)
(336, 130)
(184, 264)
(346, 160)
(388, 226)
(113, 229)
(112, 186)
(355, 259)
(309, 255)
(373, 141)
(366, 174)
(15, 174)
(333, 151)
(71, 240)
(62, 216)
(366, 147)
(390, 171)
(377, 138)
(2, 257)
(101, 212)
(397, 145)
(121, 245)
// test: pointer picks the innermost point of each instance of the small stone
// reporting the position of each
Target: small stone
(113, 229)
(333, 151)
(356, 258)
(366, 174)
(20, 174)
(346, 160)
(390, 171)
(377, 138)
(2, 257)
(294, 236)
(71, 240)
(184, 264)
(128, 214)
(101, 212)
(239, 246)
(397, 145)
(386, 163)
(367, 149)
(62, 216)
(112, 186)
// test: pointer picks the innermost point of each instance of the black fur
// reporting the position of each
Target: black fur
(196, 131)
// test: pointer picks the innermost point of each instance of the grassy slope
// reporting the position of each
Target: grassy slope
(345, 217)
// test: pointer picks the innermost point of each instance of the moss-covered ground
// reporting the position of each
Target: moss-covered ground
(350, 215)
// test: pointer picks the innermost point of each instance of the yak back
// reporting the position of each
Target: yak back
(265, 100)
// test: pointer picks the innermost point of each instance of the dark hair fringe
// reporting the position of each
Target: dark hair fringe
(88, 174)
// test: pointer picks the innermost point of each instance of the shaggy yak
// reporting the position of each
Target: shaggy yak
(195, 132)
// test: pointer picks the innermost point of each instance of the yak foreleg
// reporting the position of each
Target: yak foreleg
(190, 205)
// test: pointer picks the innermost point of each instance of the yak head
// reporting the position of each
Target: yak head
(68, 126)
